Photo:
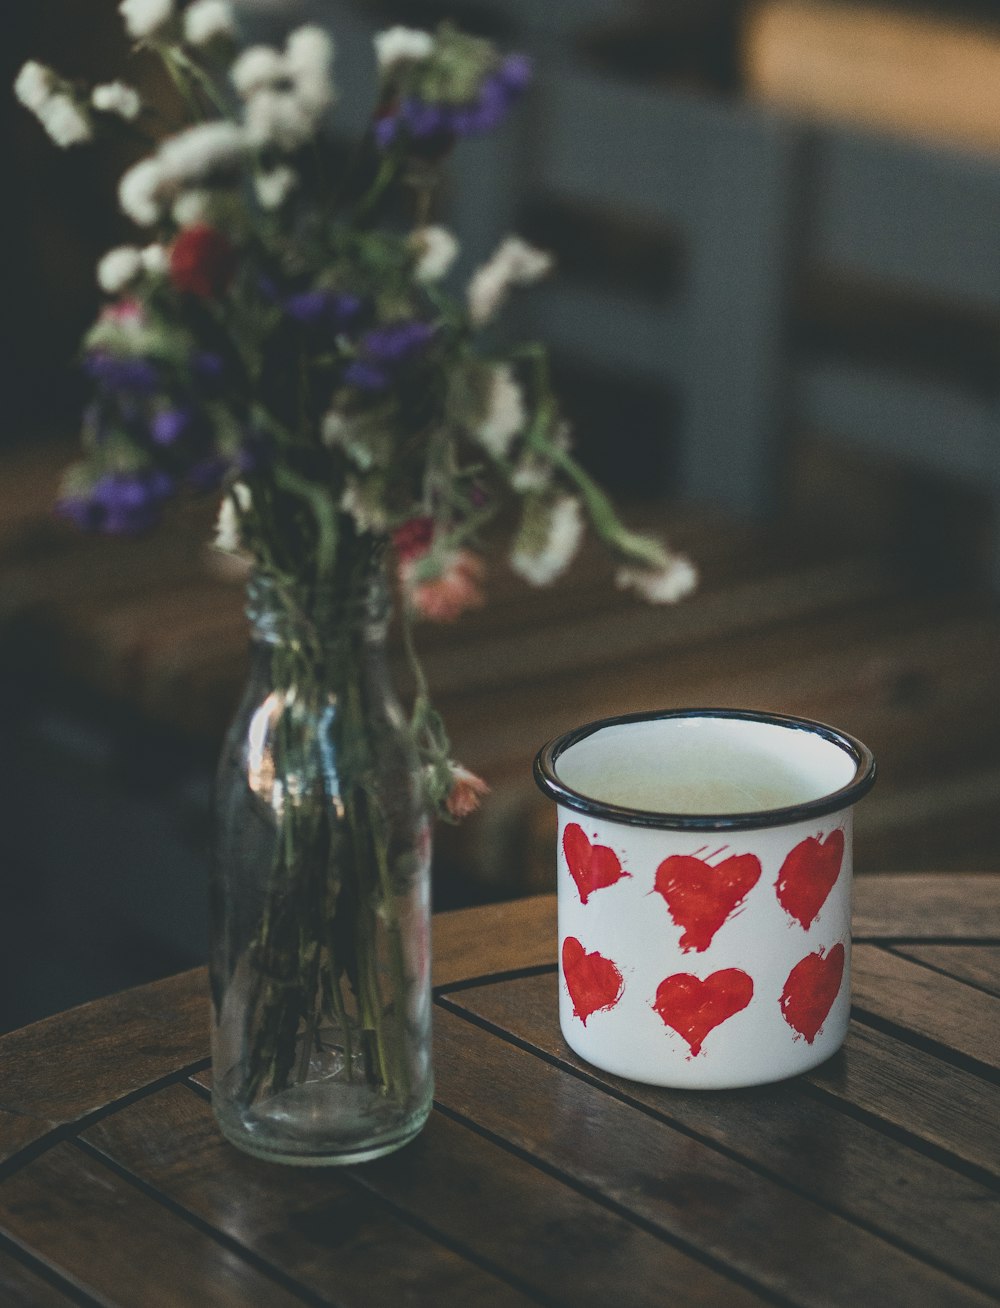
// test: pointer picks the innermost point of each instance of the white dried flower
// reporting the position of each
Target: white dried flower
(145, 17)
(138, 192)
(505, 414)
(274, 187)
(155, 260)
(64, 120)
(532, 474)
(278, 118)
(207, 19)
(398, 43)
(190, 207)
(227, 528)
(514, 263)
(117, 98)
(228, 537)
(309, 56)
(364, 507)
(540, 563)
(200, 150)
(666, 585)
(34, 85)
(258, 67)
(333, 428)
(119, 267)
(436, 250)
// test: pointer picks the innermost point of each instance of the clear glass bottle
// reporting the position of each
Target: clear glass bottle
(320, 961)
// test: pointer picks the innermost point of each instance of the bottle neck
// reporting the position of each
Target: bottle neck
(292, 616)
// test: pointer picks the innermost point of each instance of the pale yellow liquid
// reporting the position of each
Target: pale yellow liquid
(704, 767)
(662, 795)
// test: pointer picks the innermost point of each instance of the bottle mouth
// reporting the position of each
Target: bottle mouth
(705, 769)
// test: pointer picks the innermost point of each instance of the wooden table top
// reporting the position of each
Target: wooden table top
(874, 1179)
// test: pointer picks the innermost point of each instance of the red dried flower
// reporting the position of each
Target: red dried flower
(202, 261)
(413, 539)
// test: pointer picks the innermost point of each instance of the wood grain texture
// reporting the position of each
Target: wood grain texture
(927, 907)
(916, 1092)
(314, 1224)
(68, 1065)
(978, 965)
(20, 1287)
(682, 1187)
(798, 1138)
(494, 938)
(924, 1003)
(538, 1179)
(569, 1247)
(120, 1246)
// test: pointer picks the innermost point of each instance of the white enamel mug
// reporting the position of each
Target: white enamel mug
(704, 889)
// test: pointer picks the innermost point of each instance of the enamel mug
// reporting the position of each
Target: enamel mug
(704, 890)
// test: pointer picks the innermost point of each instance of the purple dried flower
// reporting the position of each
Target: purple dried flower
(491, 106)
(121, 373)
(516, 73)
(312, 308)
(208, 370)
(386, 130)
(423, 119)
(120, 503)
(80, 510)
(397, 341)
(169, 425)
(366, 376)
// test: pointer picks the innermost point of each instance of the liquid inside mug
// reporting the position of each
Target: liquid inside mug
(704, 889)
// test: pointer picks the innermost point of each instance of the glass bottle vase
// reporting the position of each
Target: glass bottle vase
(320, 959)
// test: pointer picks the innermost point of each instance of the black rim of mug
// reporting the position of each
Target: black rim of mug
(550, 783)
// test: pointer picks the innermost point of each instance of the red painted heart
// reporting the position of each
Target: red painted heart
(807, 876)
(700, 898)
(593, 981)
(812, 986)
(592, 867)
(693, 1008)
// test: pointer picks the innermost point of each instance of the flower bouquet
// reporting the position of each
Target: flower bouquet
(286, 336)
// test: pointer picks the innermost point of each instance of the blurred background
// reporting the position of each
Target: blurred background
(775, 327)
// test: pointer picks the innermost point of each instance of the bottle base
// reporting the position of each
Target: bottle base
(320, 1125)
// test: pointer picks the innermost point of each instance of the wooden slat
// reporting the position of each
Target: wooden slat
(494, 938)
(798, 1138)
(845, 669)
(917, 1093)
(20, 1287)
(322, 1230)
(979, 965)
(954, 1015)
(682, 1187)
(603, 638)
(927, 907)
(312, 1224)
(568, 1247)
(69, 1065)
(120, 1246)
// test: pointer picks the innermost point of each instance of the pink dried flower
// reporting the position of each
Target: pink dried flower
(447, 596)
(413, 539)
(466, 791)
(124, 313)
